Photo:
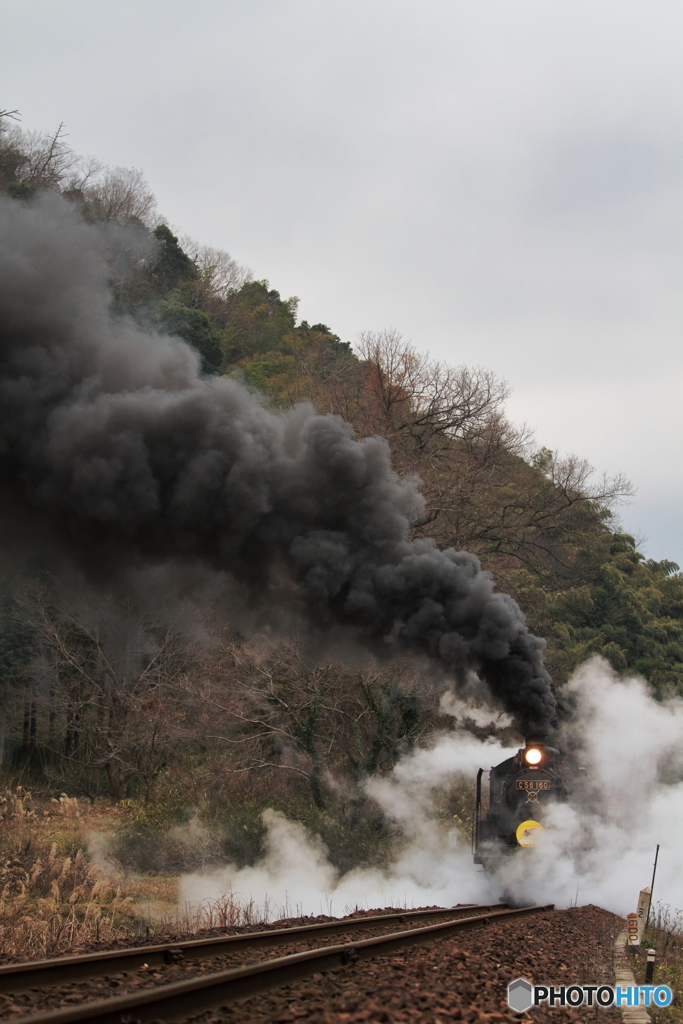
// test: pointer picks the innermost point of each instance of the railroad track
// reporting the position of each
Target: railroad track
(177, 1000)
(38, 973)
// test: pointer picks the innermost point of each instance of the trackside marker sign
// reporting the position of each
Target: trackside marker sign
(523, 996)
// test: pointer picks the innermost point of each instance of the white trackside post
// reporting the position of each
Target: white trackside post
(643, 911)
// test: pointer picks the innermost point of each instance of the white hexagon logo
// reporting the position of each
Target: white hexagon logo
(520, 995)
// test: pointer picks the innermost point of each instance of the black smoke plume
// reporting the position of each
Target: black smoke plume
(113, 444)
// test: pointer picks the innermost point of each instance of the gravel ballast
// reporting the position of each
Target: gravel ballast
(463, 978)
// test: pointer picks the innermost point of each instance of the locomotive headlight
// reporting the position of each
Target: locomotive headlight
(533, 755)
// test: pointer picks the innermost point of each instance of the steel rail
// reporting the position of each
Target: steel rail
(58, 970)
(182, 999)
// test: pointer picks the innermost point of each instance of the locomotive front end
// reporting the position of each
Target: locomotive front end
(519, 792)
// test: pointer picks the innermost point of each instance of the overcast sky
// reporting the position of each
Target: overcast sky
(500, 180)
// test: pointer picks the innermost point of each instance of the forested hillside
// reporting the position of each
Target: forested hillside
(216, 720)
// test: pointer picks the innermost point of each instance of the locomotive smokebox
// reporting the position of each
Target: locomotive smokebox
(520, 789)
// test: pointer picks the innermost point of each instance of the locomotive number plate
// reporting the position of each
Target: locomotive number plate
(533, 784)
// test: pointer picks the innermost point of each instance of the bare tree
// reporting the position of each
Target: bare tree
(427, 401)
(107, 684)
(120, 195)
(48, 159)
(486, 489)
(544, 513)
(319, 723)
(40, 160)
(218, 271)
(13, 115)
(80, 176)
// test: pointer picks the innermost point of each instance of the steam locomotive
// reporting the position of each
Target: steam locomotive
(520, 790)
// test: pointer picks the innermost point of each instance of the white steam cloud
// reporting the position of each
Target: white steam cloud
(294, 877)
(598, 848)
(466, 711)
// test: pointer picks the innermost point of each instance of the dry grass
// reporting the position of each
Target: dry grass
(664, 935)
(225, 912)
(55, 897)
(51, 901)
